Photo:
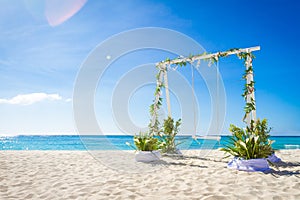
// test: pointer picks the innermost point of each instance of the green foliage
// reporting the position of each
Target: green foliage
(182, 64)
(251, 143)
(249, 87)
(145, 142)
(248, 108)
(167, 60)
(214, 59)
(233, 49)
(154, 127)
(164, 139)
(220, 54)
(244, 55)
(167, 135)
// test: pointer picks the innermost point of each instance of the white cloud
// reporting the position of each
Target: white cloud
(28, 99)
(69, 100)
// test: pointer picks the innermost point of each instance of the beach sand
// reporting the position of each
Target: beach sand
(115, 175)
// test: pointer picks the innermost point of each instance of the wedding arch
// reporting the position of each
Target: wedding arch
(162, 81)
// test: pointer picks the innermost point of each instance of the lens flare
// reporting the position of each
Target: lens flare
(55, 12)
(58, 11)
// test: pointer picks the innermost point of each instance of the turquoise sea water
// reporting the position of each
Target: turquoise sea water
(115, 142)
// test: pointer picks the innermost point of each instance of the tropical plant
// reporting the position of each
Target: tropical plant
(251, 142)
(167, 135)
(144, 142)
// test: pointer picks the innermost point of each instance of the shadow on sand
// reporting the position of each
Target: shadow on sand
(284, 169)
(176, 159)
(168, 163)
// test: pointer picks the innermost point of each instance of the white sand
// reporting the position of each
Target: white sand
(78, 175)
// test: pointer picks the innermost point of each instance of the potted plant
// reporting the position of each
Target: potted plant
(146, 147)
(250, 147)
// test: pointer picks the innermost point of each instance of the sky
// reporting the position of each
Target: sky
(44, 44)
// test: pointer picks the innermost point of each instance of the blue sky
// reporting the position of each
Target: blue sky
(42, 50)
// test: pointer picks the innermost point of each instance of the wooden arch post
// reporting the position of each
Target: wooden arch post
(250, 98)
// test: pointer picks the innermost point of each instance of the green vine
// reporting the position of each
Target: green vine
(249, 87)
(157, 103)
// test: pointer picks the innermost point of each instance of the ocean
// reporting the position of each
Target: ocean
(117, 142)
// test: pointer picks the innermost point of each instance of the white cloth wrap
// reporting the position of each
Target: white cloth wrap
(260, 164)
(273, 158)
(147, 156)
